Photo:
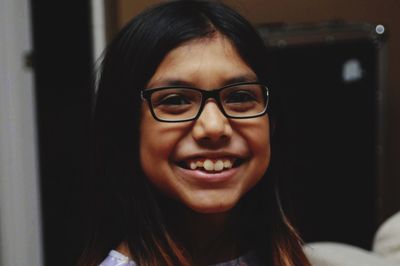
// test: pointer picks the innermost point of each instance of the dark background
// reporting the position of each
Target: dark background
(63, 69)
(328, 127)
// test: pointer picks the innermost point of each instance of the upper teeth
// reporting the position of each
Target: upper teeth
(210, 165)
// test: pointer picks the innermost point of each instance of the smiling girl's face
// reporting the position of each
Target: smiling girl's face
(170, 151)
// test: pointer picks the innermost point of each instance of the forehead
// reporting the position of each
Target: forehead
(206, 62)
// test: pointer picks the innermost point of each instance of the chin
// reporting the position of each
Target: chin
(212, 207)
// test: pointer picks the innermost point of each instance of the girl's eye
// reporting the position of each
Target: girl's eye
(174, 99)
(240, 97)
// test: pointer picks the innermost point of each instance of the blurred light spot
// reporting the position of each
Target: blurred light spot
(352, 70)
(380, 29)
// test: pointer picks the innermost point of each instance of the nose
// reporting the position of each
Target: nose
(212, 125)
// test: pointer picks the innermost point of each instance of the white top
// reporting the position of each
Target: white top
(117, 259)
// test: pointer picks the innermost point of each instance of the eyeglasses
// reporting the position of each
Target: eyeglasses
(181, 103)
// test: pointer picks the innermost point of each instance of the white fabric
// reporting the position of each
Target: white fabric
(387, 239)
(338, 254)
(386, 249)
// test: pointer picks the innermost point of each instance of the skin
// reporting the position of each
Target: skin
(204, 203)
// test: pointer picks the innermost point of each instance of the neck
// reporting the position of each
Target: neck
(208, 238)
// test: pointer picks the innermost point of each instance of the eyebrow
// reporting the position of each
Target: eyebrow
(179, 82)
(241, 78)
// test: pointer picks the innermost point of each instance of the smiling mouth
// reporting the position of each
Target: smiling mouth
(210, 165)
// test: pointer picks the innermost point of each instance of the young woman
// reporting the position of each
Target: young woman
(184, 150)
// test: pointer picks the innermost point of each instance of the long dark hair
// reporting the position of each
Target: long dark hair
(123, 205)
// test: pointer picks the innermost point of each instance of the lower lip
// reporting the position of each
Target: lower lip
(208, 177)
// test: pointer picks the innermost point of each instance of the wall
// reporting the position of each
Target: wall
(384, 12)
(20, 219)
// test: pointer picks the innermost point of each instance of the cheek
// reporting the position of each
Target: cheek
(258, 139)
(265, 144)
(154, 152)
(256, 132)
(157, 143)
(154, 145)
(261, 148)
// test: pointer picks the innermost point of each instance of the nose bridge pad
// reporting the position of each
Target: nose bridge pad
(212, 123)
(213, 97)
(215, 108)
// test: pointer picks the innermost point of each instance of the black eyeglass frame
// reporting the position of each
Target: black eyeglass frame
(205, 95)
